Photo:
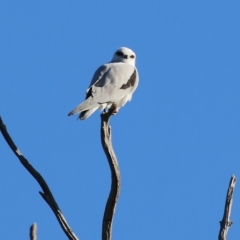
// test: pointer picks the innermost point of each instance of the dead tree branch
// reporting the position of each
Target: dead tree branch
(33, 232)
(226, 223)
(46, 194)
(115, 186)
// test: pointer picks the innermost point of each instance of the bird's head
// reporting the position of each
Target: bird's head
(125, 55)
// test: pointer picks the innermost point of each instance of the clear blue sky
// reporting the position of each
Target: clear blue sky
(177, 141)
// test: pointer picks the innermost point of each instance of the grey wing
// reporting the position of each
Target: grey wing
(98, 74)
(117, 82)
(89, 102)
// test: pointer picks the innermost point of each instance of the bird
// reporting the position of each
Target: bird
(112, 85)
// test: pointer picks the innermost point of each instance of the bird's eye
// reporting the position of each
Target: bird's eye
(119, 53)
(132, 56)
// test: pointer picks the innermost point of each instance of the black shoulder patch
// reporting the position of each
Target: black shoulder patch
(130, 82)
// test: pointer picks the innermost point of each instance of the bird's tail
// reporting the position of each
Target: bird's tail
(85, 114)
(88, 104)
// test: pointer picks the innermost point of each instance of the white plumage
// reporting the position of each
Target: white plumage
(112, 85)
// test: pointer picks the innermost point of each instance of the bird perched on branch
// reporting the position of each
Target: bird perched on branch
(112, 85)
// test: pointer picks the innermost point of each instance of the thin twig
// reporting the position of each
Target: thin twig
(33, 232)
(46, 194)
(115, 186)
(226, 223)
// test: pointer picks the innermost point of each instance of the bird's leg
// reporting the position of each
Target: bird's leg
(113, 109)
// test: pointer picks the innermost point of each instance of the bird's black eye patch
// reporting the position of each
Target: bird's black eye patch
(119, 53)
(132, 56)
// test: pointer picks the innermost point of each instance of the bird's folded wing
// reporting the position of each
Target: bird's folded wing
(119, 80)
(99, 74)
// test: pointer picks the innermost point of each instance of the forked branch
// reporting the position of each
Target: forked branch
(115, 186)
(46, 194)
(226, 222)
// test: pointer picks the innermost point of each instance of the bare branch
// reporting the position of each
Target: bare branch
(33, 232)
(226, 223)
(46, 194)
(115, 186)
